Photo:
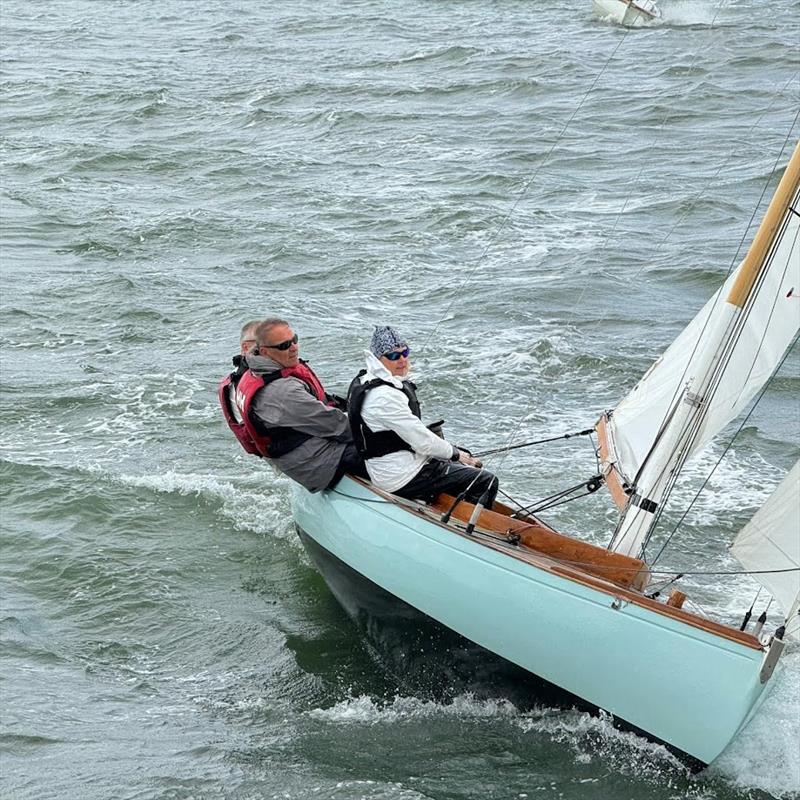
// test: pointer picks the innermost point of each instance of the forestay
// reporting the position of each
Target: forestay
(711, 371)
(771, 541)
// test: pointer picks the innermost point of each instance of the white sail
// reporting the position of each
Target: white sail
(771, 541)
(637, 418)
(632, 13)
(711, 371)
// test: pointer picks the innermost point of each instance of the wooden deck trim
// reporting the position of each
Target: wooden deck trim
(577, 575)
(627, 572)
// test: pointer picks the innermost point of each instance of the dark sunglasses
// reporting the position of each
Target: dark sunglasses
(396, 355)
(283, 345)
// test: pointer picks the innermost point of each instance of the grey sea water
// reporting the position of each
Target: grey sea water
(540, 199)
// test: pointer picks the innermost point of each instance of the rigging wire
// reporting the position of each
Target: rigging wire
(551, 501)
(505, 220)
(680, 384)
(725, 451)
(522, 194)
(693, 429)
(728, 350)
(653, 145)
(530, 444)
(690, 601)
(596, 451)
(706, 185)
(509, 498)
(655, 592)
(516, 428)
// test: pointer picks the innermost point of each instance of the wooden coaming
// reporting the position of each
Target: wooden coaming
(631, 573)
(572, 571)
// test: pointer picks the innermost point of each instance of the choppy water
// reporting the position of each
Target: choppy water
(172, 169)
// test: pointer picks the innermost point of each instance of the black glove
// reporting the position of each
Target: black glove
(337, 401)
(436, 427)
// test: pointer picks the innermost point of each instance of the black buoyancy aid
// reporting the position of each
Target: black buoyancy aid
(236, 393)
(374, 444)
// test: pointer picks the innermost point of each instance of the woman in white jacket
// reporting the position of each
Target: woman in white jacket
(402, 455)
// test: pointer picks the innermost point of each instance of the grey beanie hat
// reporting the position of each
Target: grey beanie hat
(385, 339)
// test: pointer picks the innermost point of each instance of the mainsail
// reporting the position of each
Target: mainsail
(709, 373)
(770, 543)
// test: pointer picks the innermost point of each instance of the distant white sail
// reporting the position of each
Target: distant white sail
(711, 371)
(632, 13)
(771, 541)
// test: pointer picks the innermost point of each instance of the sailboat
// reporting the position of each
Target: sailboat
(630, 13)
(582, 617)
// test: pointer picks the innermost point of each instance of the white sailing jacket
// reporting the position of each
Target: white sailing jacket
(386, 409)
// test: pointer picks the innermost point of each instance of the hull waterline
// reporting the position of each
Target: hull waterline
(433, 661)
(648, 670)
(436, 660)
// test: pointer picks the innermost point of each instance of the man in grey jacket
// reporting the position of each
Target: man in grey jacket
(326, 451)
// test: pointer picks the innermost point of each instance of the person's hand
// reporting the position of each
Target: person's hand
(337, 401)
(468, 460)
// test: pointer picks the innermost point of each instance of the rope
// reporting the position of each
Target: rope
(398, 501)
(596, 452)
(587, 432)
(551, 500)
(510, 498)
(656, 591)
(539, 509)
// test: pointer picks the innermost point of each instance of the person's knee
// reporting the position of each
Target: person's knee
(492, 487)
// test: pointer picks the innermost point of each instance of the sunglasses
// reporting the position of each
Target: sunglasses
(283, 345)
(396, 355)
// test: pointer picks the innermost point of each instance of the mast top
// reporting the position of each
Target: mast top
(754, 260)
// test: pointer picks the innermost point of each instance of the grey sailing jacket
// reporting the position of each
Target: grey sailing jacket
(288, 402)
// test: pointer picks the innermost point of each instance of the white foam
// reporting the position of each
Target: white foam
(265, 512)
(642, 21)
(690, 12)
(366, 711)
(588, 736)
(766, 754)
(742, 482)
(364, 790)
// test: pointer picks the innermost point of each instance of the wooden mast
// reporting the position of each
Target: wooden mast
(754, 260)
(749, 271)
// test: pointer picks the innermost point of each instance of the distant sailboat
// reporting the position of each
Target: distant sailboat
(587, 618)
(630, 13)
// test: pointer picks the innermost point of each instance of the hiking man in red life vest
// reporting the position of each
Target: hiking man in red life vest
(286, 415)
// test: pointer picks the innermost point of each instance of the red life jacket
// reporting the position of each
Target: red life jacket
(239, 389)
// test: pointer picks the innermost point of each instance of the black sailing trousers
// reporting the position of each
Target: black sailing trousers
(452, 478)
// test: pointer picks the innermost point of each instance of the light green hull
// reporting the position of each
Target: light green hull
(679, 683)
